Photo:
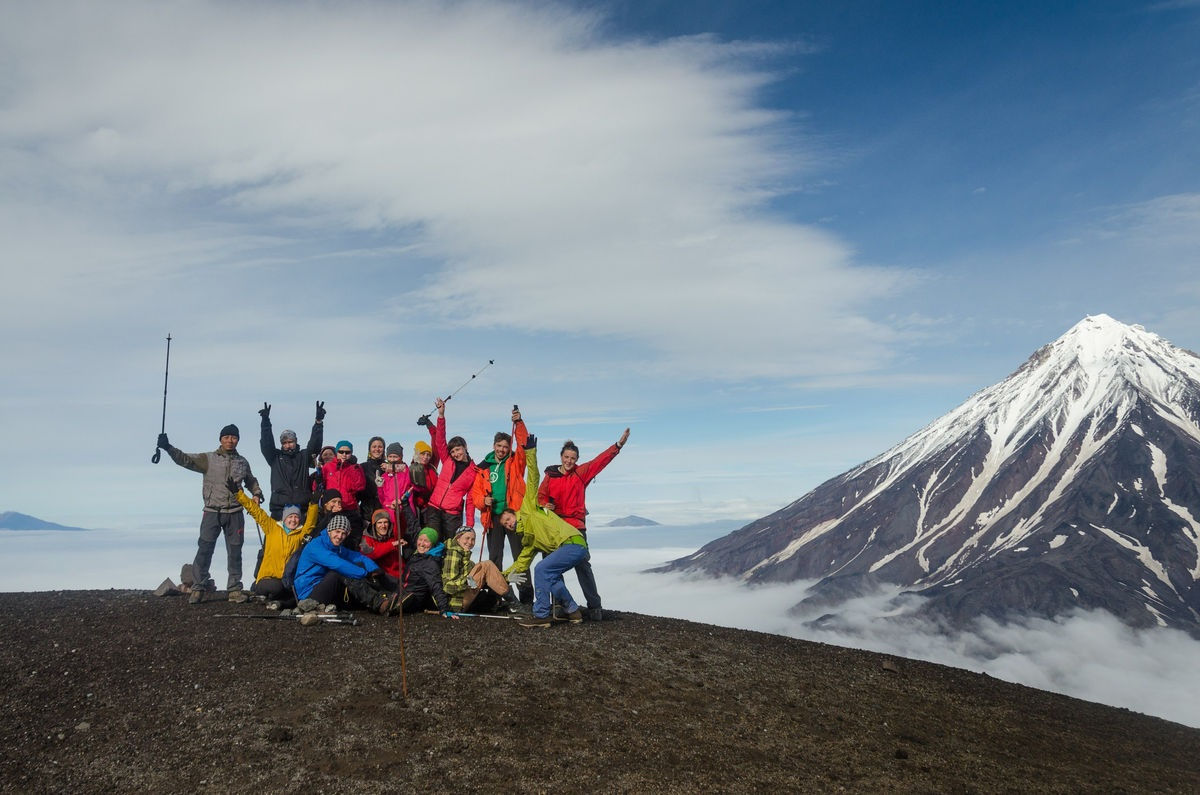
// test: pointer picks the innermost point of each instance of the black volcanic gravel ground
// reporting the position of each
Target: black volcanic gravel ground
(123, 691)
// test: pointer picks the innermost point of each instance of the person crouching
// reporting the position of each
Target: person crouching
(332, 574)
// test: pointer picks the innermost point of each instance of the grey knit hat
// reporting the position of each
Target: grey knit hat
(289, 434)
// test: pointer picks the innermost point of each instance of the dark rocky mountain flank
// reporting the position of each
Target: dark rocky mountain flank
(1073, 483)
(123, 692)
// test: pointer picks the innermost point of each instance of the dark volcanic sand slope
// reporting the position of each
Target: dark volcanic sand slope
(125, 692)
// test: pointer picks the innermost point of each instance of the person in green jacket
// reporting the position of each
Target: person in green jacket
(562, 545)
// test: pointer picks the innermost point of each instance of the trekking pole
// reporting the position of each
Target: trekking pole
(474, 375)
(166, 371)
(400, 596)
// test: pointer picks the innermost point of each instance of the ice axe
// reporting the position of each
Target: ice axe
(424, 418)
(166, 372)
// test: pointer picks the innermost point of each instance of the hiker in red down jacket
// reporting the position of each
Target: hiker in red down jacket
(445, 510)
(381, 544)
(346, 476)
(563, 492)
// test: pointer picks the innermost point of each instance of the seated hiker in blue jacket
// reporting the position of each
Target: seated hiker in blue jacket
(328, 571)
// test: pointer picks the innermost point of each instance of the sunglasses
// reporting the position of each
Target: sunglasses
(343, 452)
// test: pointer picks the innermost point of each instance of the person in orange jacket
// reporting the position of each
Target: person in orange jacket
(500, 484)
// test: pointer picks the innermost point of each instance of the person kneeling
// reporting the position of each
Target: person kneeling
(280, 540)
(475, 588)
(541, 531)
(332, 574)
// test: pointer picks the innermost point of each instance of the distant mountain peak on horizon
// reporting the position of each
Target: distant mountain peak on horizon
(12, 520)
(1091, 446)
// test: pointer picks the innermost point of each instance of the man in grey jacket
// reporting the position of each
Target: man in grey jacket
(222, 512)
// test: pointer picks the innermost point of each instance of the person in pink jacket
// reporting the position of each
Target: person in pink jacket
(445, 510)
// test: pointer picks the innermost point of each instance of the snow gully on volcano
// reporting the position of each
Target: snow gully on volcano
(1073, 483)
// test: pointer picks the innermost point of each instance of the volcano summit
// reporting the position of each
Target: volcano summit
(1073, 483)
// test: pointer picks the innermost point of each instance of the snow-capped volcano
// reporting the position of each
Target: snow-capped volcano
(1072, 483)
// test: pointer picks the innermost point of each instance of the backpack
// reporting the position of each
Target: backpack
(289, 568)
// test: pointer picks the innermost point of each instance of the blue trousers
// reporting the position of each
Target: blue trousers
(548, 578)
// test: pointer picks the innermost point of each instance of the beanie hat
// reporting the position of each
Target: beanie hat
(431, 534)
(344, 443)
(422, 447)
(230, 430)
(290, 510)
(397, 448)
(339, 522)
(330, 494)
(328, 447)
(463, 529)
(289, 434)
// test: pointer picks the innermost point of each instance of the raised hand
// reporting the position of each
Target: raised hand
(320, 410)
(265, 411)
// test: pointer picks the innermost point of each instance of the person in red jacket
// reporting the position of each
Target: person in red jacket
(445, 510)
(346, 476)
(381, 544)
(563, 492)
(500, 484)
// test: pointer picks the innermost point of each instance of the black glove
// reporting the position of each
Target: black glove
(531, 442)
(265, 411)
(320, 410)
(424, 420)
(315, 498)
(232, 485)
(163, 444)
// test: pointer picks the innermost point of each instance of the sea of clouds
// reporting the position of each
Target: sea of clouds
(1088, 655)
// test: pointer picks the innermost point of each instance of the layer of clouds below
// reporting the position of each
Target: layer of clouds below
(1088, 655)
(507, 150)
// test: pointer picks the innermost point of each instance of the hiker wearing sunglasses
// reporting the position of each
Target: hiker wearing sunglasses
(346, 476)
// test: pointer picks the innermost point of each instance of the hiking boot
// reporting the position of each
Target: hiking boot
(196, 598)
(575, 616)
(389, 605)
(238, 597)
(595, 614)
(531, 622)
(558, 613)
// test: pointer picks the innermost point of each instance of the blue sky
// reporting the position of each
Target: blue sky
(772, 238)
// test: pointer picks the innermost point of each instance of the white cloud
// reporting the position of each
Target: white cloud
(1088, 655)
(616, 186)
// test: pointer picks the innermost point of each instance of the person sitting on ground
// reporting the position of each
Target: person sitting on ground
(327, 572)
(476, 588)
(222, 512)
(445, 510)
(423, 577)
(290, 484)
(346, 476)
(331, 504)
(564, 492)
(562, 545)
(381, 544)
(280, 540)
(500, 483)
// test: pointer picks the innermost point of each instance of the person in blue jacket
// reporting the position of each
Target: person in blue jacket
(330, 572)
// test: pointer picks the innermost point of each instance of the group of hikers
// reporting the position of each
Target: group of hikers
(397, 537)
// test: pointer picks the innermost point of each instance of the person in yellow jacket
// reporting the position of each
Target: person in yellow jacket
(563, 546)
(280, 540)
